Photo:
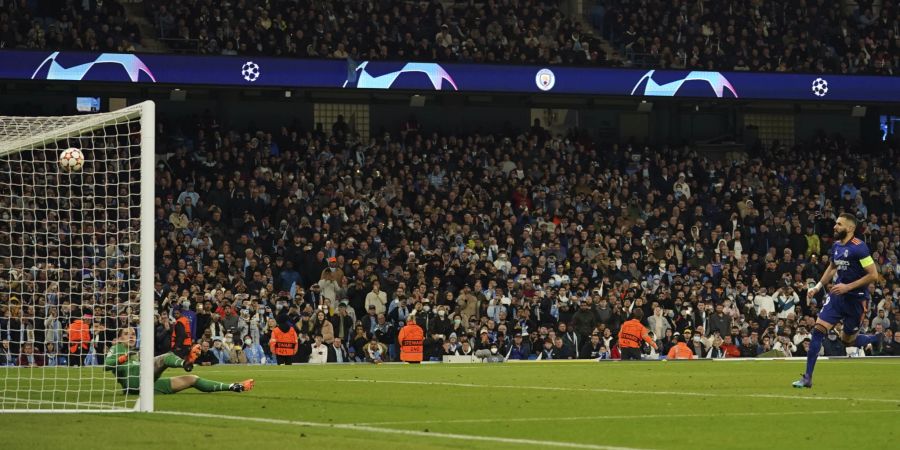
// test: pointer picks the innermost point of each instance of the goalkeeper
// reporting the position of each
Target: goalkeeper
(122, 359)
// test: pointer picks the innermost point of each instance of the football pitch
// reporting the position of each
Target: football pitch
(583, 405)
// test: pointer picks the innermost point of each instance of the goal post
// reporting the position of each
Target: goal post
(76, 261)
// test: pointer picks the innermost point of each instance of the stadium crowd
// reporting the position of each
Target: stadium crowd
(742, 35)
(502, 31)
(538, 246)
(795, 36)
(94, 25)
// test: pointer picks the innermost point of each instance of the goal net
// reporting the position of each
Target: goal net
(76, 261)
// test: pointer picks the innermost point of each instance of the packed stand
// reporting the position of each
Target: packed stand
(100, 26)
(814, 36)
(535, 246)
(504, 31)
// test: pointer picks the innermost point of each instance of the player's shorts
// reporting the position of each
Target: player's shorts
(163, 386)
(847, 308)
(160, 386)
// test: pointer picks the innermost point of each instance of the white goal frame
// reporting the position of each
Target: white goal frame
(20, 139)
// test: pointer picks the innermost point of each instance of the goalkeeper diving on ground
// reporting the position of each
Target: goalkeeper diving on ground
(122, 359)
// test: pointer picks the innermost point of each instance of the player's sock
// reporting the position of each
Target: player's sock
(862, 340)
(210, 386)
(170, 360)
(814, 346)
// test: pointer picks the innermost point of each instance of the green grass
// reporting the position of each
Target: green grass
(674, 405)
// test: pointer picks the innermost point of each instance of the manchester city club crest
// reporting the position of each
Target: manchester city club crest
(545, 79)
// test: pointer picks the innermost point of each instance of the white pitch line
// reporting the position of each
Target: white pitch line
(626, 417)
(19, 400)
(332, 367)
(622, 391)
(425, 434)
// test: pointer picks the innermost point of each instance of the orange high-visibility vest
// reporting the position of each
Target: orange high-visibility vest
(79, 334)
(283, 344)
(680, 351)
(411, 340)
(631, 334)
(187, 332)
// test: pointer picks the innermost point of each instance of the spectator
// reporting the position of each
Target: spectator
(377, 298)
(375, 352)
(322, 326)
(715, 348)
(6, 355)
(52, 357)
(833, 346)
(881, 320)
(337, 353)
(319, 351)
(729, 349)
(479, 32)
(688, 36)
(253, 351)
(519, 349)
(658, 324)
(593, 348)
(219, 352)
(890, 346)
(207, 357)
(342, 324)
(784, 345)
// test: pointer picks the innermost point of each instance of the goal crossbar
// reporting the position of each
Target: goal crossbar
(17, 138)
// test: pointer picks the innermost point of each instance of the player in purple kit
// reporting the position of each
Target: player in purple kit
(848, 298)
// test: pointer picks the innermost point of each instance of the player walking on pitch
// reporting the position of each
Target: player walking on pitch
(848, 298)
(123, 361)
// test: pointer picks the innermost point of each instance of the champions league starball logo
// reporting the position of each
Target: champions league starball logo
(250, 71)
(820, 87)
(51, 69)
(405, 78)
(716, 82)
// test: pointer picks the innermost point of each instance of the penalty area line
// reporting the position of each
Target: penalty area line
(371, 429)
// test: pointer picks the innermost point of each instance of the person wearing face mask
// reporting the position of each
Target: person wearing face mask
(442, 324)
(253, 351)
(458, 327)
(492, 355)
(833, 346)
(696, 343)
(425, 318)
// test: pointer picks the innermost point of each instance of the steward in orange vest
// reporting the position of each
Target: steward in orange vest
(79, 340)
(181, 334)
(631, 334)
(283, 343)
(411, 339)
(680, 350)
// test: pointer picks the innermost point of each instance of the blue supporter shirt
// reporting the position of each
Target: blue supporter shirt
(851, 260)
